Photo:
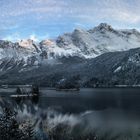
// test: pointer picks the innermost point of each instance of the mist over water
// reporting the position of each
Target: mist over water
(111, 112)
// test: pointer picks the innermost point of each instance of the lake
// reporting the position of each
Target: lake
(87, 99)
(98, 99)
(115, 110)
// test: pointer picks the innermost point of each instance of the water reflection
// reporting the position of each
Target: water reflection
(34, 100)
(95, 111)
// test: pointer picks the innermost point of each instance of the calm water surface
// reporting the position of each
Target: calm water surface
(105, 108)
(126, 99)
(92, 99)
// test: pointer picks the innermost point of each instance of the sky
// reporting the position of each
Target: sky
(43, 19)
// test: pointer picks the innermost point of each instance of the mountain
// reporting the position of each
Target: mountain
(82, 43)
(99, 40)
(101, 56)
(109, 69)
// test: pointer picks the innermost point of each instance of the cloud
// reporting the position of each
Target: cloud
(27, 16)
(13, 37)
(120, 10)
(37, 38)
(33, 37)
(19, 8)
(115, 10)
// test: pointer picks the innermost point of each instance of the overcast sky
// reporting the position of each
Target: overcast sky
(41, 19)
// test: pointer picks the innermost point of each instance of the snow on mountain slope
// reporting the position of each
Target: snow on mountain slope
(99, 40)
(81, 43)
(54, 51)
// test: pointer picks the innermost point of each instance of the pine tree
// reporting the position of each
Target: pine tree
(18, 91)
(35, 90)
(9, 127)
(28, 130)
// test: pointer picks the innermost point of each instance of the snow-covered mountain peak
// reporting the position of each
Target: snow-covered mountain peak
(78, 30)
(102, 27)
(99, 40)
(47, 42)
(129, 32)
(28, 44)
(80, 42)
(6, 44)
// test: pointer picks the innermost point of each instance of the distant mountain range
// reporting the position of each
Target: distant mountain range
(101, 56)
